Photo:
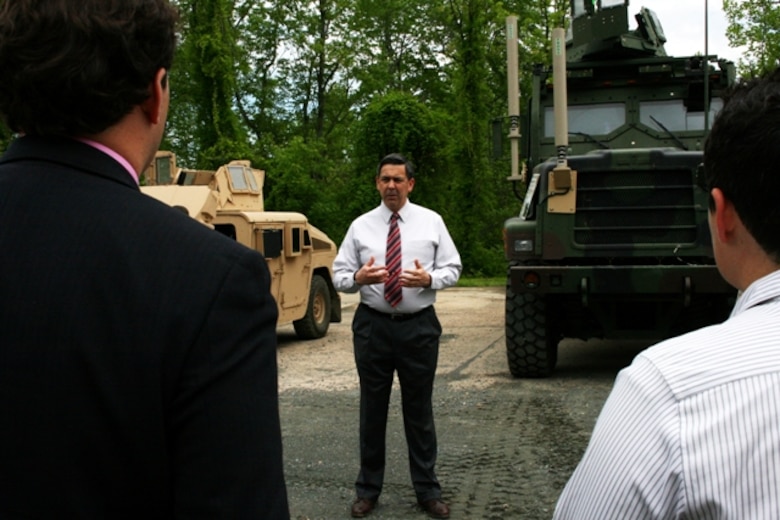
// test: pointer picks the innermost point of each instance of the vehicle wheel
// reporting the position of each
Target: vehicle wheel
(531, 334)
(317, 319)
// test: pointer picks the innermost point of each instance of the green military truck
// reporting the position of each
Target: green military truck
(612, 239)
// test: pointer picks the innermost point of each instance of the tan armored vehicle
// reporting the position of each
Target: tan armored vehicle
(230, 200)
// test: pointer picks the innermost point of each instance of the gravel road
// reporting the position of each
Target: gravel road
(506, 446)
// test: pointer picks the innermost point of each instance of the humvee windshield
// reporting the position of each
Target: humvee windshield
(242, 180)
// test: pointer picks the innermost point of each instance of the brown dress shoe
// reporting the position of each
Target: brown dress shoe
(436, 508)
(362, 507)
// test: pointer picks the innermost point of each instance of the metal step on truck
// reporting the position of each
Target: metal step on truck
(230, 201)
(611, 239)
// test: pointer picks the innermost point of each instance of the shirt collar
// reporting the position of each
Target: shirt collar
(403, 212)
(114, 155)
(763, 290)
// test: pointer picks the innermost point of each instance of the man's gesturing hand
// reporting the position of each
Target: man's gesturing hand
(370, 273)
(417, 277)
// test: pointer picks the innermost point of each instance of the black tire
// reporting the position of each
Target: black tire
(531, 334)
(317, 319)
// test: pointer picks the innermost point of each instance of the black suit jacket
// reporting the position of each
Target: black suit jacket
(138, 374)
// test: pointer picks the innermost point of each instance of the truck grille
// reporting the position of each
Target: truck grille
(626, 208)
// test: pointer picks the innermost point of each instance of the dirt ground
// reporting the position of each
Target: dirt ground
(506, 446)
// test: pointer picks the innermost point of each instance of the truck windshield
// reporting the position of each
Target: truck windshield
(597, 119)
(237, 179)
(604, 118)
(675, 115)
(242, 179)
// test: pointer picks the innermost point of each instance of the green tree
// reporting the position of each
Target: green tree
(262, 29)
(400, 48)
(313, 71)
(474, 225)
(317, 96)
(291, 187)
(316, 92)
(398, 122)
(211, 56)
(754, 25)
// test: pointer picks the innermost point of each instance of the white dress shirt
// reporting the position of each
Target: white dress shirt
(424, 237)
(692, 428)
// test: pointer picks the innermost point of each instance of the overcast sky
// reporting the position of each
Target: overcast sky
(683, 24)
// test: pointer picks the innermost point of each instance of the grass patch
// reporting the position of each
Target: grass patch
(481, 282)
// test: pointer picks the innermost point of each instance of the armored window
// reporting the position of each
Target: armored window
(242, 180)
(164, 175)
(252, 181)
(612, 3)
(296, 245)
(229, 230)
(599, 119)
(583, 7)
(237, 178)
(293, 240)
(674, 115)
(272, 243)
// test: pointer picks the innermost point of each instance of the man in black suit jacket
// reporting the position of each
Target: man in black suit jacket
(138, 374)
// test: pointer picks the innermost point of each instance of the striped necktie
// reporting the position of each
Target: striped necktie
(393, 263)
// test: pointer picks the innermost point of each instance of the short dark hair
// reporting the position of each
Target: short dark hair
(77, 67)
(742, 157)
(396, 158)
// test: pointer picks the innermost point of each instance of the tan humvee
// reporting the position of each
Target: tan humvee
(230, 200)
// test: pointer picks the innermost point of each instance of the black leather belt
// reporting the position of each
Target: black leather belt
(395, 316)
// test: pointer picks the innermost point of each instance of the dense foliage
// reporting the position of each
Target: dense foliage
(754, 25)
(316, 92)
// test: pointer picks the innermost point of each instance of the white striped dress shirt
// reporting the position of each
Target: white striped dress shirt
(691, 430)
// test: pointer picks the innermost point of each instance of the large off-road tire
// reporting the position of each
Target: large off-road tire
(531, 334)
(317, 319)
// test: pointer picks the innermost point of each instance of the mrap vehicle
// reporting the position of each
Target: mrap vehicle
(230, 201)
(612, 238)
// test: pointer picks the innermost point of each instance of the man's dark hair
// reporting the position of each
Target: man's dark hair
(742, 157)
(76, 67)
(396, 158)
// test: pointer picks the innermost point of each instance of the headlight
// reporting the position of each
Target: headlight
(524, 246)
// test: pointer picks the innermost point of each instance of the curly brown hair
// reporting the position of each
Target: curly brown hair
(74, 68)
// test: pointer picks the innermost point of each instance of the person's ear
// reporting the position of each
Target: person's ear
(726, 217)
(158, 90)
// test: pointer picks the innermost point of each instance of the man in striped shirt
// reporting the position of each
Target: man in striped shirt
(692, 427)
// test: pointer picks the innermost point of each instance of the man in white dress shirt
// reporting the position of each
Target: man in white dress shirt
(397, 333)
(692, 427)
